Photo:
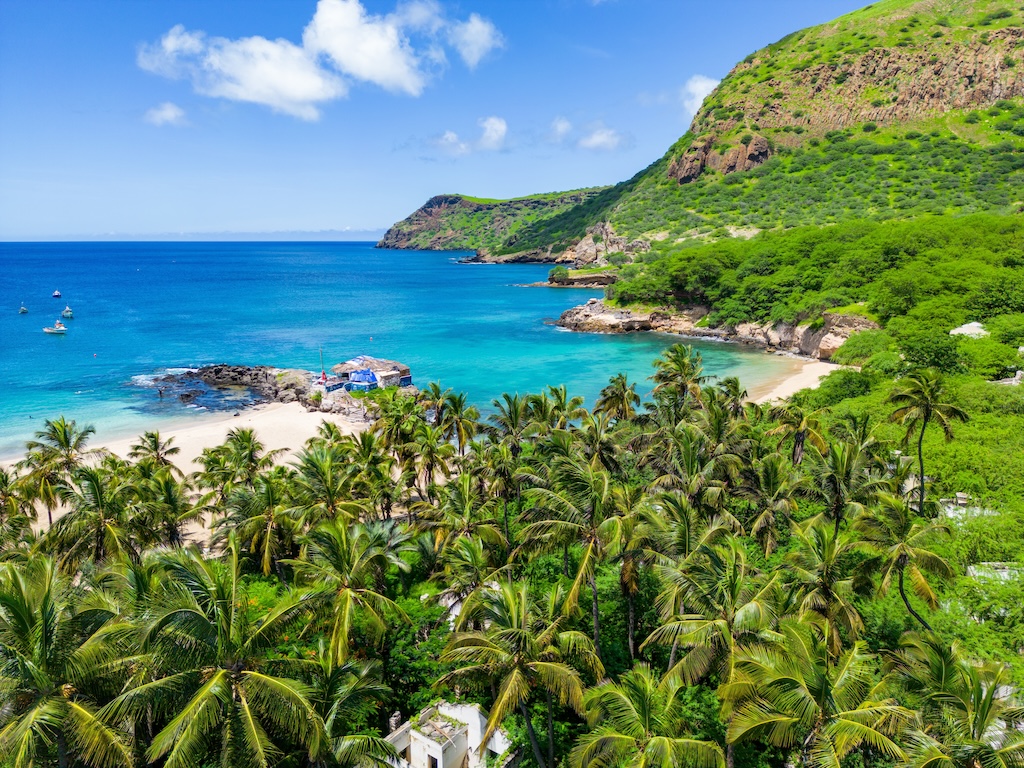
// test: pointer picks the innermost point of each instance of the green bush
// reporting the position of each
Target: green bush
(987, 357)
(558, 275)
(1007, 329)
(857, 349)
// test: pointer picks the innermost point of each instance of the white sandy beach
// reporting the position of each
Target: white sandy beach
(278, 425)
(808, 375)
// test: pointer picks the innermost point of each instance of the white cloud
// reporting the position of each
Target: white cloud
(601, 139)
(560, 128)
(450, 143)
(494, 131)
(474, 39)
(276, 73)
(400, 52)
(165, 114)
(370, 48)
(695, 90)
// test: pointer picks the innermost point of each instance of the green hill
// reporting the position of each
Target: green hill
(903, 108)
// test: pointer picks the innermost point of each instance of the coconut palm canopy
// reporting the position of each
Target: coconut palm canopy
(652, 584)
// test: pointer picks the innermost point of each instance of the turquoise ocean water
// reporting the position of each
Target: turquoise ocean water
(143, 308)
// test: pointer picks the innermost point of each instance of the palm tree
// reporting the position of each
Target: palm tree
(434, 454)
(58, 450)
(821, 567)
(574, 510)
(901, 544)
(802, 425)
(166, 505)
(680, 369)
(97, 525)
(215, 690)
(634, 536)
(792, 695)
(247, 455)
(433, 399)
(641, 722)
(971, 714)
(323, 485)
(16, 512)
(341, 692)
(460, 420)
(467, 566)
(53, 667)
(771, 485)
(919, 402)
(346, 564)
(462, 513)
(154, 449)
(511, 420)
(734, 396)
(264, 521)
(618, 399)
(515, 651)
(842, 480)
(61, 442)
(731, 613)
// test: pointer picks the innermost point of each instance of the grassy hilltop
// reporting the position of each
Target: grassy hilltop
(903, 108)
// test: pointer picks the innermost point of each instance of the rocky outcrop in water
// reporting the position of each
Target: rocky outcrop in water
(819, 341)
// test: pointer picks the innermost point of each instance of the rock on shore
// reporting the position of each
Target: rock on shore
(819, 342)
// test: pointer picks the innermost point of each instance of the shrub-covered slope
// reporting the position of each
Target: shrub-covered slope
(902, 108)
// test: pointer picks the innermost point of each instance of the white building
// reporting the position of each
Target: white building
(448, 736)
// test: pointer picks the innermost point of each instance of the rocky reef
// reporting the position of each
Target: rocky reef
(819, 341)
(257, 384)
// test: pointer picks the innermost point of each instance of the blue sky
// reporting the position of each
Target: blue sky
(203, 117)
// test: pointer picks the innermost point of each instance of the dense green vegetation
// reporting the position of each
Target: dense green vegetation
(918, 279)
(690, 580)
(461, 223)
(844, 176)
(864, 117)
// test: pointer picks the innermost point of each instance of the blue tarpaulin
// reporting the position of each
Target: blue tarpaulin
(365, 376)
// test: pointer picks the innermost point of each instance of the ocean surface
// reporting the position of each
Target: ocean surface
(141, 309)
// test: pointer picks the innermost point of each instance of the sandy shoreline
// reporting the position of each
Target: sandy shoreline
(807, 376)
(278, 425)
(288, 426)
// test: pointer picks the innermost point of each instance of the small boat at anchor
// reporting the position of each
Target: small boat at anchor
(57, 328)
(23, 310)
(67, 314)
(56, 294)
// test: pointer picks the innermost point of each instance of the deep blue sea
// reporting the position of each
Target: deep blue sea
(143, 308)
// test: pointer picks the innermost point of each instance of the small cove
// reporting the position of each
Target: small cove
(141, 308)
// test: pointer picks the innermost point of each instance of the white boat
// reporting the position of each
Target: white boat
(58, 328)
(67, 313)
(56, 294)
(23, 310)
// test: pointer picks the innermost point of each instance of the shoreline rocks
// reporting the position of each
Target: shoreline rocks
(816, 341)
(262, 384)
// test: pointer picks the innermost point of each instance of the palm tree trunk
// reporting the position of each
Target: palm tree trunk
(597, 618)
(565, 561)
(910, 608)
(62, 749)
(672, 653)
(537, 754)
(631, 623)
(730, 755)
(551, 731)
(920, 468)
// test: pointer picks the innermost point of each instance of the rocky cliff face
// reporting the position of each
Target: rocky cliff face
(819, 342)
(457, 223)
(900, 63)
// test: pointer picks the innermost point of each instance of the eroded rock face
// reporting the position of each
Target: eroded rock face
(703, 154)
(820, 342)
